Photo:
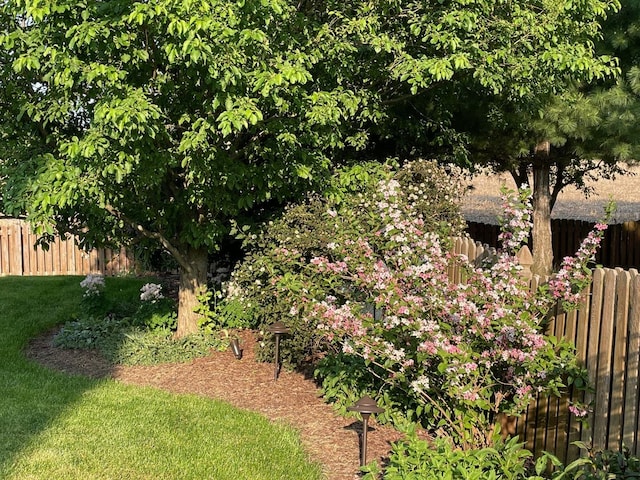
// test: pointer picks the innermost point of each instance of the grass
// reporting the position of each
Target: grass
(54, 426)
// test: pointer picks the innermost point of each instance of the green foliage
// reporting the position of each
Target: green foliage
(152, 347)
(158, 315)
(128, 330)
(595, 465)
(121, 341)
(90, 332)
(344, 379)
(439, 459)
(221, 313)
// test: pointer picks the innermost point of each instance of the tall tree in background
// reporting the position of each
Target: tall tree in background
(173, 120)
(471, 80)
(581, 132)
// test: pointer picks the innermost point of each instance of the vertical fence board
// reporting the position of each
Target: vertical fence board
(33, 252)
(591, 357)
(571, 428)
(560, 417)
(618, 363)
(630, 430)
(603, 381)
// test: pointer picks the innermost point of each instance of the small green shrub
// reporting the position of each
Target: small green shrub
(131, 323)
(596, 465)
(346, 378)
(90, 332)
(122, 342)
(160, 314)
(144, 347)
(419, 459)
(222, 312)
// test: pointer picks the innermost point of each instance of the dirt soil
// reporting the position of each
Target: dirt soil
(293, 399)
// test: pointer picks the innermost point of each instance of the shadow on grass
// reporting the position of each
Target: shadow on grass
(32, 396)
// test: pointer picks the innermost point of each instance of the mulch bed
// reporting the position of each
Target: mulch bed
(293, 399)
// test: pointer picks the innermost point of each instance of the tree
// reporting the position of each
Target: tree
(583, 131)
(166, 120)
(176, 121)
(469, 80)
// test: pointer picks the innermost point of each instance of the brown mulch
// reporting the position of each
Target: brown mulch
(293, 399)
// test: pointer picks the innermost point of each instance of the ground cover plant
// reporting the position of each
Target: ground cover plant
(69, 427)
(131, 321)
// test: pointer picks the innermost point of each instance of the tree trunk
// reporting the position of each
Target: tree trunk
(193, 277)
(541, 233)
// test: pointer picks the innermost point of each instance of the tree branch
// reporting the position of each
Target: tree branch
(175, 253)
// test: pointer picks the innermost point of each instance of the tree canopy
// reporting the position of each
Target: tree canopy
(173, 121)
(580, 128)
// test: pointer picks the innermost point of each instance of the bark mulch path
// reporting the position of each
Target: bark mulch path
(293, 399)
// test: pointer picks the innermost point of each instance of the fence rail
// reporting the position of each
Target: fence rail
(605, 330)
(19, 256)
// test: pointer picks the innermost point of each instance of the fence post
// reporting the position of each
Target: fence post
(525, 259)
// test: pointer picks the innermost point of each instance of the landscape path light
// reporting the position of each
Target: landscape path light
(278, 329)
(365, 407)
(235, 348)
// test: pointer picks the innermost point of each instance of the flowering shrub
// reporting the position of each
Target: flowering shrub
(277, 281)
(435, 193)
(151, 292)
(460, 353)
(93, 285)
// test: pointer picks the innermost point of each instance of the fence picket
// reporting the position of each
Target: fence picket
(604, 351)
(621, 315)
(631, 394)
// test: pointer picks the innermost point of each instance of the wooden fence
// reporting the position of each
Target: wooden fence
(18, 256)
(606, 332)
(620, 245)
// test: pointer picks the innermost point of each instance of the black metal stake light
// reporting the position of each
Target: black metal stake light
(235, 348)
(278, 329)
(365, 407)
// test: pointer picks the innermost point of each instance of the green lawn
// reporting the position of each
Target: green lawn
(54, 426)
